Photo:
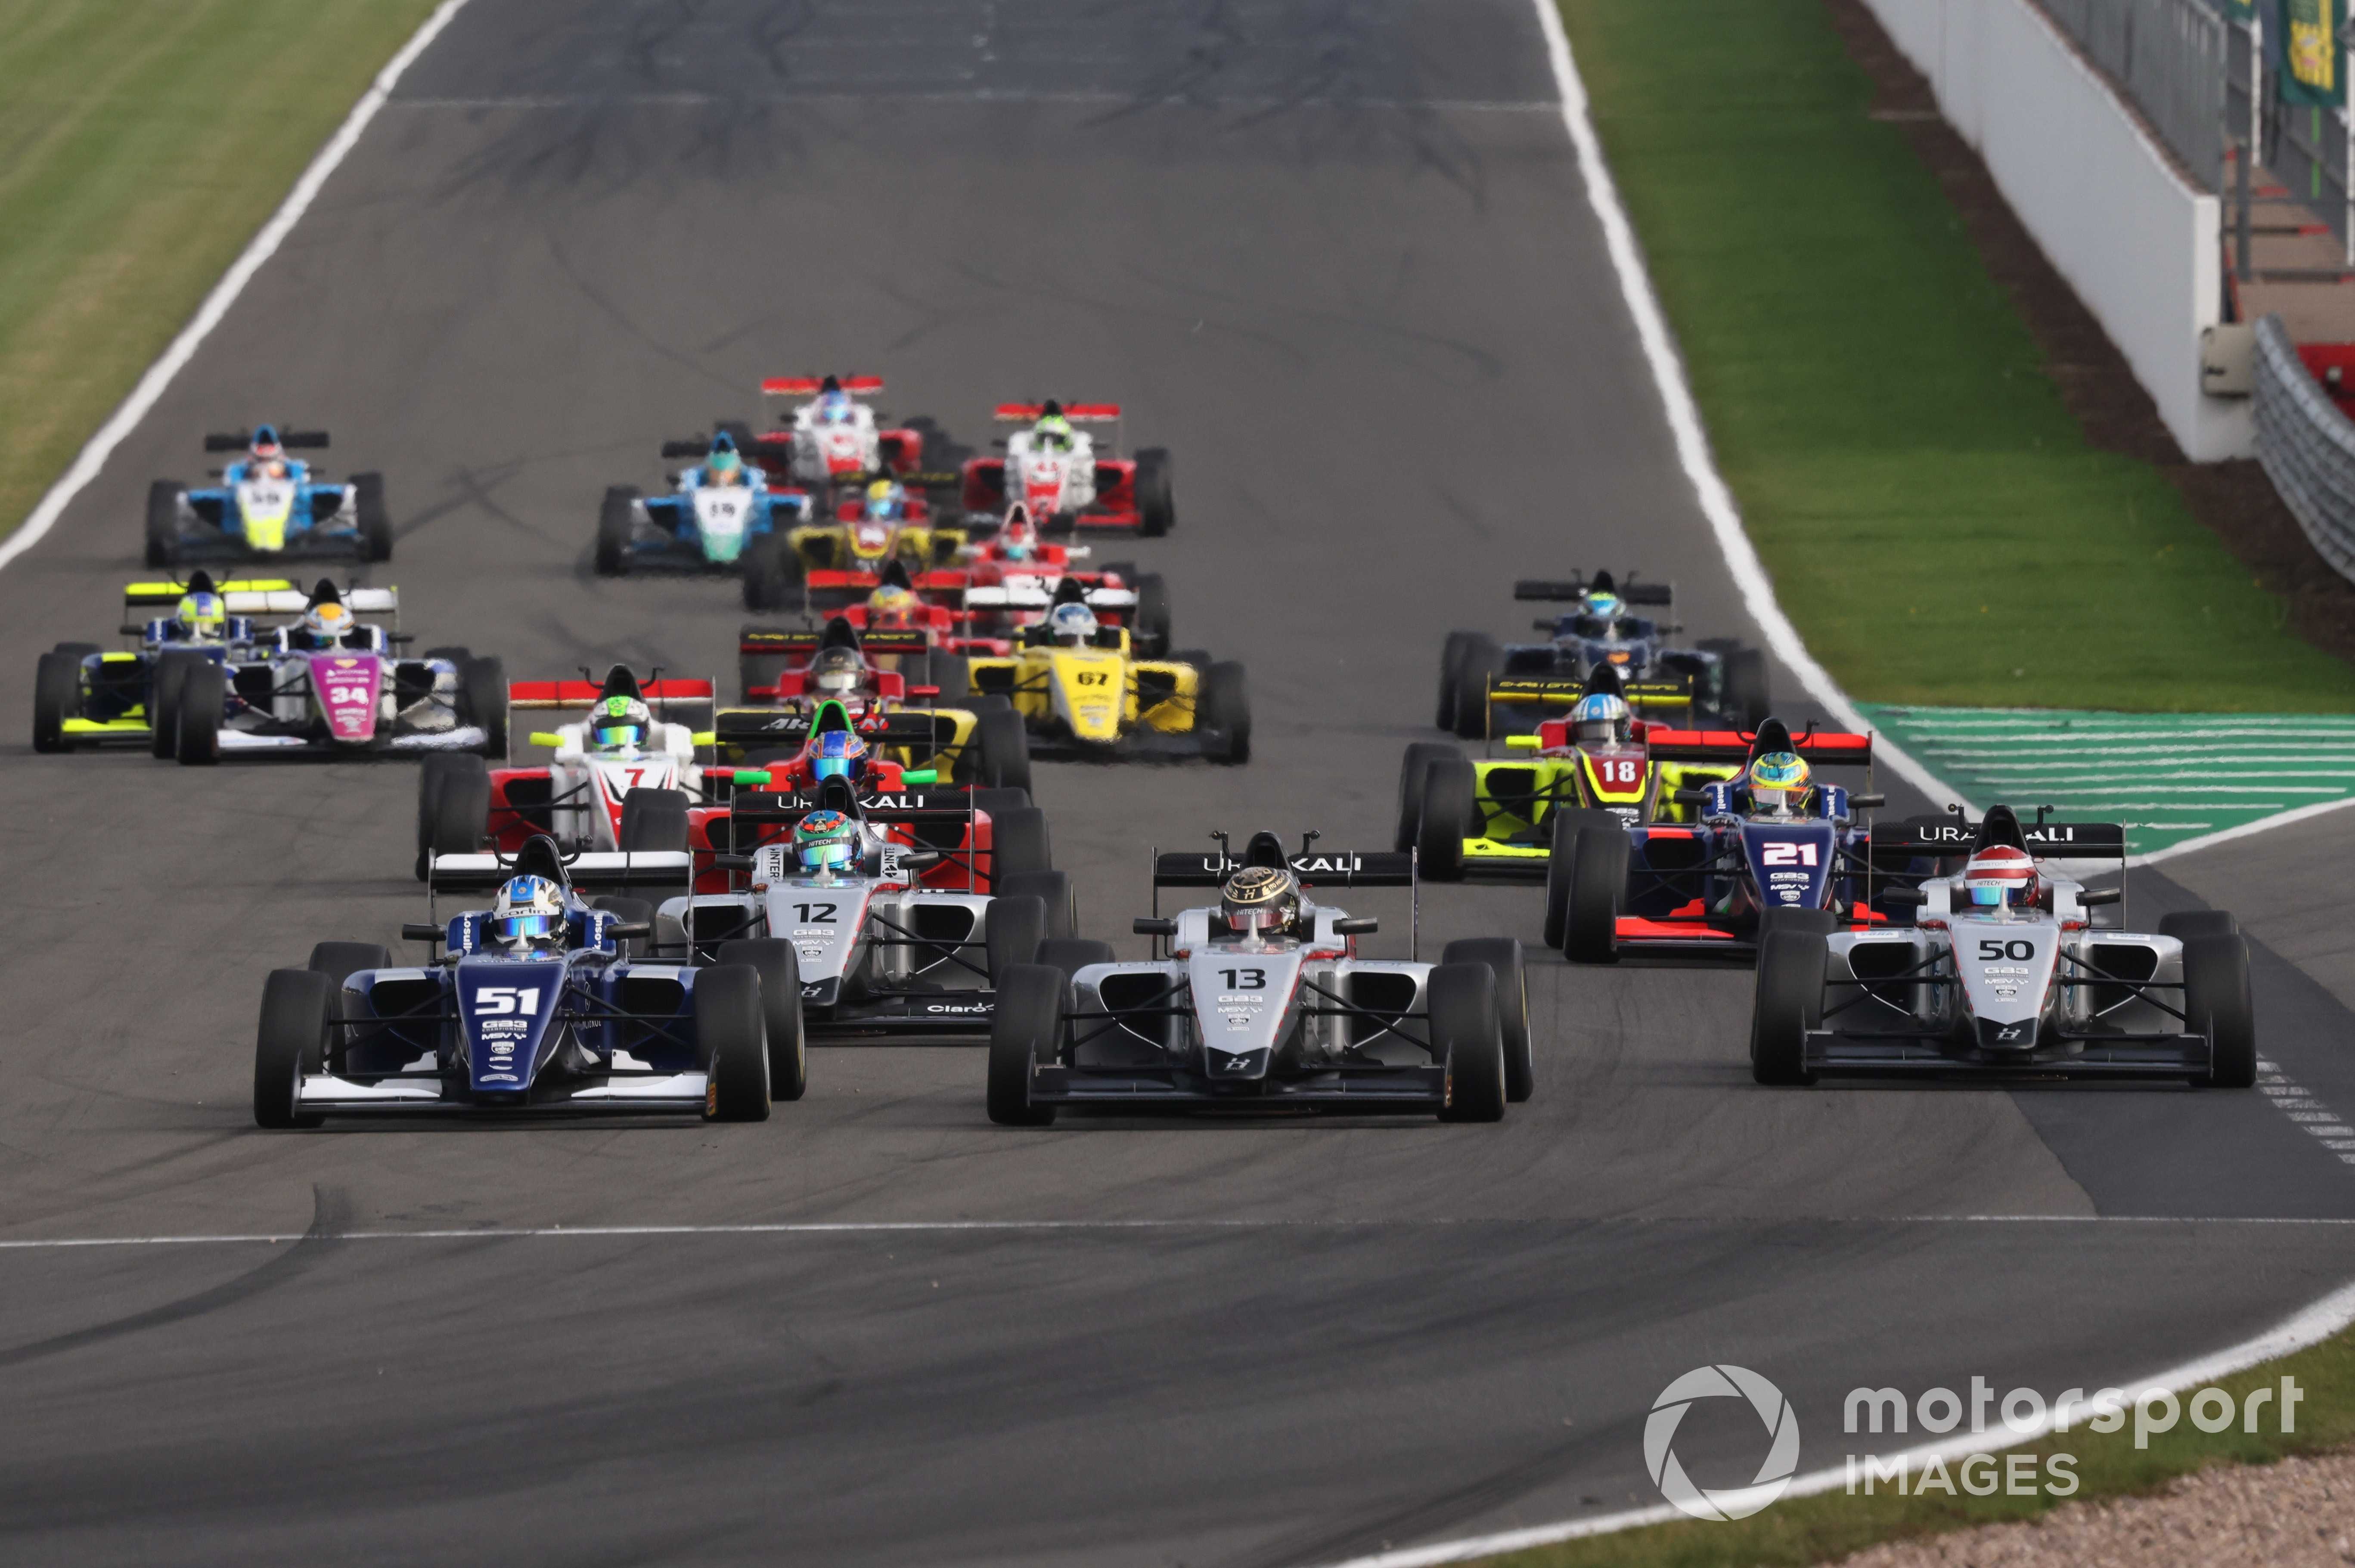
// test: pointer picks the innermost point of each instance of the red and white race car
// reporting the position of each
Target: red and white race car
(1011, 580)
(1054, 469)
(833, 438)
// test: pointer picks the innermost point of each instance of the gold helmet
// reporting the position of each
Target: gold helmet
(1261, 899)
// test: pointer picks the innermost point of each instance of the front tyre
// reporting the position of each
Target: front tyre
(781, 1008)
(163, 522)
(1598, 882)
(1451, 813)
(1223, 715)
(483, 701)
(1502, 955)
(1025, 1029)
(374, 518)
(1420, 756)
(2216, 1003)
(1787, 1003)
(1466, 1035)
(204, 694)
(615, 525)
(57, 697)
(1156, 503)
(291, 1043)
(727, 1039)
(1565, 825)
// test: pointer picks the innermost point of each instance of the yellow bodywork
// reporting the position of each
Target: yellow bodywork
(1098, 693)
(856, 546)
(946, 752)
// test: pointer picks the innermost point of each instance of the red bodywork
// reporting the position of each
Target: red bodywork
(519, 796)
(963, 868)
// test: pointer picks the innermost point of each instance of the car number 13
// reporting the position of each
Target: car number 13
(1244, 980)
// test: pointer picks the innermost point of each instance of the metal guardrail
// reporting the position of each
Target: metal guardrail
(2169, 57)
(2307, 447)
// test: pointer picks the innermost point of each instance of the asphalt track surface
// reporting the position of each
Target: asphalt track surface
(1337, 257)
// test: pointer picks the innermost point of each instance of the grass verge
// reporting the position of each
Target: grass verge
(1820, 1528)
(1936, 523)
(142, 143)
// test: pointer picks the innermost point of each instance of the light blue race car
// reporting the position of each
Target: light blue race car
(715, 513)
(267, 507)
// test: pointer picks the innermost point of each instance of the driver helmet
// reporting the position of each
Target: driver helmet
(886, 502)
(1599, 718)
(1779, 782)
(529, 913)
(202, 617)
(1604, 603)
(1261, 899)
(326, 622)
(2001, 878)
(836, 672)
(1018, 538)
(1071, 625)
(837, 753)
(264, 446)
(1053, 433)
(724, 466)
(833, 408)
(824, 839)
(891, 606)
(619, 722)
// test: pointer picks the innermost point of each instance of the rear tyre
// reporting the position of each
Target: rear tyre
(1052, 890)
(1025, 1029)
(2216, 1003)
(1479, 659)
(163, 522)
(483, 701)
(995, 802)
(339, 961)
(1449, 657)
(374, 517)
(1156, 503)
(2185, 924)
(1560, 856)
(197, 723)
(460, 814)
(1016, 927)
(438, 767)
(1745, 689)
(1004, 745)
(1787, 1003)
(1017, 843)
(1466, 1035)
(1418, 758)
(1451, 810)
(781, 1009)
(1073, 954)
(1224, 715)
(164, 699)
(1502, 955)
(634, 912)
(1149, 627)
(728, 1040)
(771, 575)
(1598, 882)
(57, 697)
(615, 525)
(654, 821)
(949, 675)
(292, 1042)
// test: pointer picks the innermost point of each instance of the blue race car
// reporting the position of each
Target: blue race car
(537, 1005)
(713, 516)
(267, 507)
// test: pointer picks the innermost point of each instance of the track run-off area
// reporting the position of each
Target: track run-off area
(1342, 263)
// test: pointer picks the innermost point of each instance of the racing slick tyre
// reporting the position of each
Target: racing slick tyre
(1787, 1003)
(1017, 843)
(949, 672)
(196, 717)
(996, 801)
(1745, 687)
(1561, 862)
(1223, 715)
(375, 518)
(2185, 924)
(781, 1009)
(164, 699)
(57, 697)
(1502, 955)
(1016, 927)
(292, 1041)
(1479, 659)
(2216, 1004)
(1411, 773)
(1598, 881)
(78, 650)
(1025, 1027)
(483, 701)
(1822, 922)
(1461, 1000)
(1073, 954)
(729, 1043)
(1003, 748)
(1449, 657)
(1052, 890)
(1157, 506)
(339, 961)
(615, 525)
(1149, 626)
(637, 912)
(455, 812)
(163, 522)
(454, 655)
(436, 767)
(654, 821)
(1451, 811)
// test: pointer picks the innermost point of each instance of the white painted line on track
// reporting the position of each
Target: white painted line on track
(2247, 829)
(977, 95)
(263, 245)
(2309, 1327)
(1717, 502)
(2308, 1115)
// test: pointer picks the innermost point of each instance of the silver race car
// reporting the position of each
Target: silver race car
(2003, 969)
(1262, 1002)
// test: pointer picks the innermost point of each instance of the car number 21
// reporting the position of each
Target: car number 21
(1788, 855)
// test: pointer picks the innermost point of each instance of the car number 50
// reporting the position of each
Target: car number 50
(2017, 952)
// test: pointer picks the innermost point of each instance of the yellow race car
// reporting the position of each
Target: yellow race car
(1082, 692)
(825, 565)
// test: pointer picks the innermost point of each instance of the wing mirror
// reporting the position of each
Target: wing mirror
(1868, 800)
(419, 931)
(1146, 926)
(1692, 797)
(1360, 925)
(544, 737)
(1523, 742)
(920, 776)
(2089, 898)
(754, 778)
(731, 862)
(622, 930)
(1901, 897)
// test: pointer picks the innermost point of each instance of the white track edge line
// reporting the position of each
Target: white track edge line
(263, 245)
(1717, 502)
(2247, 829)
(2310, 1326)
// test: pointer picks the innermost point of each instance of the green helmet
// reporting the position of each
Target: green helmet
(620, 721)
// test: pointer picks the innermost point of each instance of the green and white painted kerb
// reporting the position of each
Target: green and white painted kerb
(2169, 777)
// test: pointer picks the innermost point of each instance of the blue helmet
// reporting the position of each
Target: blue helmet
(1071, 624)
(529, 913)
(1599, 717)
(838, 754)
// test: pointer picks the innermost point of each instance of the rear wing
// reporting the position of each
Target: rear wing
(771, 726)
(1821, 747)
(1078, 413)
(1947, 836)
(906, 806)
(1672, 692)
(593, 869)
(688, 703)
(811, 386)
(1332, 868)
(756, 641)
(291, 440)
(1036, 598)
(1548, 590)
(263, 596)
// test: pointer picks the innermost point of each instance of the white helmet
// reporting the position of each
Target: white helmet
(529, 914)
(1073, 625)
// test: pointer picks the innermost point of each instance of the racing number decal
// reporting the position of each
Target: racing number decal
(1621, 770)
(494, 1000)
(1788, 855)
(347, 694)
(1244, 980)
(823, 915)
(1991, 949)
(1091, 678)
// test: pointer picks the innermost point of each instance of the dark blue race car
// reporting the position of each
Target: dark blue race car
(564, 1017)
(267, 506)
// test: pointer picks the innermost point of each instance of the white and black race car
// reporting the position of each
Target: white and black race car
(1265, 1020)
